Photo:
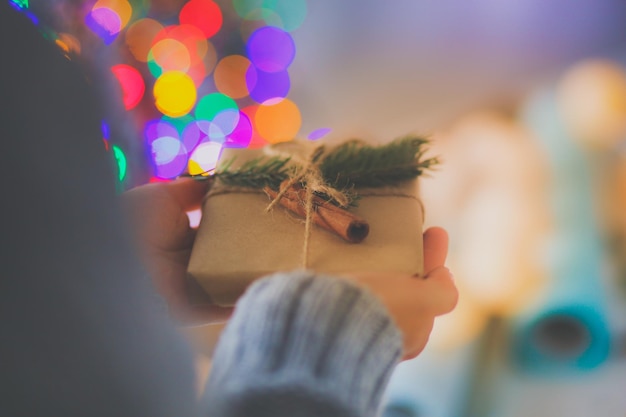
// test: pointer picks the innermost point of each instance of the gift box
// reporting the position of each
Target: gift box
(239, 240)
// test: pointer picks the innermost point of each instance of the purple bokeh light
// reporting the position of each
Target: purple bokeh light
(105, 23)
(271, 49)
(265, 86)
(242, 135)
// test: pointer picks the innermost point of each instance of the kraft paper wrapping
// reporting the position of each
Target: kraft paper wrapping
(238, 242)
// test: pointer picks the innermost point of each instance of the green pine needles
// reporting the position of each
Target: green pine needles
(353, 164)
(256, 173)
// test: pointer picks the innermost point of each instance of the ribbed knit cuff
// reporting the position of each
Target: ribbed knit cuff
(308, 334)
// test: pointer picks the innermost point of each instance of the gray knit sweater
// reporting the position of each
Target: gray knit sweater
(301, 345)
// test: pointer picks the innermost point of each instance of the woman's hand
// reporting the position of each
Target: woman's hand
(413, 301)
(158, 215)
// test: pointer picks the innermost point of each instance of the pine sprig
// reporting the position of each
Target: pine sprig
(354, 164)
(345, 168)
(256, 173)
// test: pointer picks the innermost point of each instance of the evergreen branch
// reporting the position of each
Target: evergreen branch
(348, 166)
(354, 164)
(256, 173)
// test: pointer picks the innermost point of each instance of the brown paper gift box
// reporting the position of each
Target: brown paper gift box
(238, 241)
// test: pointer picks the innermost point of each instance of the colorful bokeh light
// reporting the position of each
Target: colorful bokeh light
(230, 76)
(204, 14)
(132, 84)
(279, 122)
(319, 133)
(140, 37)
(267, 86)
(169, 156)
(242, 134)
(22, 4)
(122, 163)
(168, 55)
(271, 49)
(211, 89)
(108, 17)
(174, 94)
(256, 140)
(204, 158)
(211, 105)
(286, 14)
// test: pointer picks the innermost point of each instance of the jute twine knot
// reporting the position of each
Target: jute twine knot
(310, 176)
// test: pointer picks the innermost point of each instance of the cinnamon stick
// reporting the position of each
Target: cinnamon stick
(324, 214)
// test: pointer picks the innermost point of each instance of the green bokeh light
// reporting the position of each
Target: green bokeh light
(154, 68)
(286, 14)
(212, 104)
(122, 163)
(22, 4)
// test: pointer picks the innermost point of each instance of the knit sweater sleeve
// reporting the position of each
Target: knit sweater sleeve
(302, 345)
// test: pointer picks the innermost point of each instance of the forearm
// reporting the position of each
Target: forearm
(303, 345)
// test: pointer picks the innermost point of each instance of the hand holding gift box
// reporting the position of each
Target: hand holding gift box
(288, 206)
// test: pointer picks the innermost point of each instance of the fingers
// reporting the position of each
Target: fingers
(435, 248)
(442, 293)
(188, 192)
(201, 315)
(421, 339)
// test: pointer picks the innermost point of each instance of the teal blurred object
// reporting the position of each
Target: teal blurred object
(567, 329)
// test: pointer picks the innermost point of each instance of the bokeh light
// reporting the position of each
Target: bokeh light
(169, 156)
(278, 122)
(168, 55)
(69, 43)
(108, 17)
(204, 14)
(132, 84)
(291, 12)
(179, 123)
(140, 36)
(122, 163)
(22, 4)
(271, 49)
(105, 23)
(266, 86)
(174, 94)
(592, 101)
(158, 128)
(230, 76)
(319, 133)
(256, 140)
(287, 14)
(212, 104)
(242, 134)
(204, 158)
(196, 132)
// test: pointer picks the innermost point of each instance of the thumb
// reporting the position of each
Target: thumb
(435, 248)
(188, 192)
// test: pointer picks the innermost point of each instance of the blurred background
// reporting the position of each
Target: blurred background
(524, 101)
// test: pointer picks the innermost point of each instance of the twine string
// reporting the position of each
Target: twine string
(313, 183)
(308, 222)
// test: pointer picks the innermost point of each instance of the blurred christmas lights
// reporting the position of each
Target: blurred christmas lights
(189, 82)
